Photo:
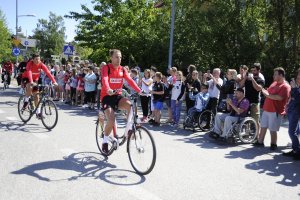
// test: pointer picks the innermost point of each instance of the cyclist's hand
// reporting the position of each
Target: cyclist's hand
(142, 93)
(33, 84)
(55, 85)
(110, 92)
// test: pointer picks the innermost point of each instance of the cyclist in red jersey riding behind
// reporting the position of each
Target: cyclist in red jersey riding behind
(111, 99)
(32, 73)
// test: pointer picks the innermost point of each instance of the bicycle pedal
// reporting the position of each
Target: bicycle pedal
(115, 145)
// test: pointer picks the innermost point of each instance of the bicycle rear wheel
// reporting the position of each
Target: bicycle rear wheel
(141, 151)
(49, 114)
(99, 140)
(24, 114)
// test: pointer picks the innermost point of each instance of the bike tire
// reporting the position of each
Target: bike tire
(137, 149)
(99, 140)
(25, 115)
(49, 114)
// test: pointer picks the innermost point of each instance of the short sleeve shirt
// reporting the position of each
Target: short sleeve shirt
(213, 91)
(244, 105)
(157, 87)
(281, 89)
(250, 92)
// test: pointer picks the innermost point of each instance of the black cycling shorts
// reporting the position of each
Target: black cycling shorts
(111, 102)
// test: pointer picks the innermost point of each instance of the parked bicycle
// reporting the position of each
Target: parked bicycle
(49, 114)
(141, 147)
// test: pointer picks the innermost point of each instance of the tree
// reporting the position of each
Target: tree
(5, 39)
(133, 26)
(51, 35)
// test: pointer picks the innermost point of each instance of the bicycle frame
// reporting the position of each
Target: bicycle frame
(131, 120)
(43, 96)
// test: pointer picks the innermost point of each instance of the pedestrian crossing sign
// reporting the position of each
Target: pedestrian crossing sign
(68, 50)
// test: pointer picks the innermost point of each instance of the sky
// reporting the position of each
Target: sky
(41, 8)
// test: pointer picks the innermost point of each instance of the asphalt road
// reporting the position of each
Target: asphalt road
(65, 163)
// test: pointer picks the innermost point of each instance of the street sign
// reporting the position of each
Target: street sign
(16, 51)
(28, 42)
(68, 50)
(16, 42)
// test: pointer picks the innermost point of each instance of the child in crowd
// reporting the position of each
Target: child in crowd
(158, 98)
(176, 97)
(67, 87)
(73, 84)
(146, 85)
(80, 88)
(201, 100)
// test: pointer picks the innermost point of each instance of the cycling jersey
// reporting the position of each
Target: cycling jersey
(8, 66)
(33, 72)
(114, 80)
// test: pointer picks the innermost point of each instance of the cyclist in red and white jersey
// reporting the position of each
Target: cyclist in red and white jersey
(111, 99)
(32, 73)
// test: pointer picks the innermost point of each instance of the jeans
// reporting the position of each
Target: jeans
(176, 108)
(293, 118)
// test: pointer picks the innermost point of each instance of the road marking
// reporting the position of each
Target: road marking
(2, 111)
(12, 118)
(41, 135)
(141, 193)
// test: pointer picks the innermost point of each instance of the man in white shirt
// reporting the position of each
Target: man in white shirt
(214, 85)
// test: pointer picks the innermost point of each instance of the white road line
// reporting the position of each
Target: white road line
(2, 111)
(141, 193)
(12, 118)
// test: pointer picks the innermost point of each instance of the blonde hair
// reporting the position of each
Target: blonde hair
(147, 71)
(158, 75)
(174, 69)
(181, 74)
(233, 73)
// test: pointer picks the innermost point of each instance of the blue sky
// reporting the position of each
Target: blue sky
(41, 8)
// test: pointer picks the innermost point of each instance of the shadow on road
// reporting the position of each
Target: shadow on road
(75, 110)
(279, 166)
(84, 164)
(11, 126)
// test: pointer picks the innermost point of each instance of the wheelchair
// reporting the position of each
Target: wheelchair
(204, 120)
(245, 130)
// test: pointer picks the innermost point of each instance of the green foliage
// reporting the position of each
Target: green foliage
(208, 33)
(5, 40)
(50, 35)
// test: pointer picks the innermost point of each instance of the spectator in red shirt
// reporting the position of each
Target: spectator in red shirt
(7, 68)
(276, 99)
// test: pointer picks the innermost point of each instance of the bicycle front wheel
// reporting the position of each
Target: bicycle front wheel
(24, 113)
(49, 114)
(141, 150)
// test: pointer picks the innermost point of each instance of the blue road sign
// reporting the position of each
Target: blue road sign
(26, 43)
(16, 51)
(68, 50)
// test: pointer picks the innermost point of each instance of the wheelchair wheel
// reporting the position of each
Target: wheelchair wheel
(187, 122)
(248, 130)
(206, 120)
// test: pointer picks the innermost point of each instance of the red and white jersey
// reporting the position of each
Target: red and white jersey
(33, 72)
(114, 80)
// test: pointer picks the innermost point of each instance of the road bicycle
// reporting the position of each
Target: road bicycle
(140, 147)
(49, 114)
